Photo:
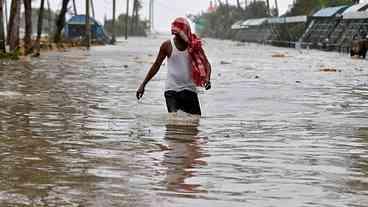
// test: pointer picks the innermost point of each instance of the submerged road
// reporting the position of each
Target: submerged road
(281, 127)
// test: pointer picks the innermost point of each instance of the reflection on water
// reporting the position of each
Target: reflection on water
(275, 131)
(362, 134)
(182, 158)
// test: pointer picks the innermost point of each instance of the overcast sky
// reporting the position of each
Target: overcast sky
(165, 10)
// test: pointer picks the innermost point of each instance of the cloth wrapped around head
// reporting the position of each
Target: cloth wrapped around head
(199, 63)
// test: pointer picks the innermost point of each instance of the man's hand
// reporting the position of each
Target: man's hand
(140, 91)
(208, 86)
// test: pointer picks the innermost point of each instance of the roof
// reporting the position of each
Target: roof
(357, 8)
(356, 15)
(287, 20)
(330, 11)
(254, 22)
(237, 25)
(80, 19)
(249, 23)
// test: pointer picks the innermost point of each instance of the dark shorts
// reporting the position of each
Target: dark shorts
(185, 100)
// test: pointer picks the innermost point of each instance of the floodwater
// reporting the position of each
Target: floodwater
(276, 130)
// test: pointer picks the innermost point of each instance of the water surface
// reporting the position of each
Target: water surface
(276, 131)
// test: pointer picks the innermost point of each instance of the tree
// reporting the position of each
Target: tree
(13, 28)
(137, 5)
(60, 21)
(2, 32)
(218, 24)
(238, 4)
(40, 27)
(120, 26)
(28, 26)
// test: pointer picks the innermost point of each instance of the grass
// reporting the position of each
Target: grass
(10, 55)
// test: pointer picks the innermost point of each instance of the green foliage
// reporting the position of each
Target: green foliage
(137, 27)
(10, 56)
(139, 30)
(308, 7)
(218, 24)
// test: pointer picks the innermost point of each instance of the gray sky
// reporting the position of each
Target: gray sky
(165, 10)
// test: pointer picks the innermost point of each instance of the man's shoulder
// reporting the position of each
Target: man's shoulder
(166, 46)
(166, 43)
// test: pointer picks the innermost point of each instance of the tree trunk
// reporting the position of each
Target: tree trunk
(75, 8)
(238, 4)
(50, 22)
(113, 22)
(127, 20)
(2, 33)
(6, 13)
(39, 27)
(60, 21)
(132, 29)
(13, 28)
(88, 25)
(137, 15)
(93, 9)
(277, 8)
(28, 26)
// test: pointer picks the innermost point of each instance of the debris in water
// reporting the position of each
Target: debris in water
(224, 62)
(256, 77)
(328, 70)
(279, 55)
(126, 66)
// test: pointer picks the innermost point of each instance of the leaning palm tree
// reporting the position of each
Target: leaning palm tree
(60, 21)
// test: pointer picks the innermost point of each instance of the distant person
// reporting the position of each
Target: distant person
(187, 68)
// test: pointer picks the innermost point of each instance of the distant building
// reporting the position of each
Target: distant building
(75, 30)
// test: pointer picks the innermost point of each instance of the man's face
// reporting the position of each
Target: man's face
(178, 37)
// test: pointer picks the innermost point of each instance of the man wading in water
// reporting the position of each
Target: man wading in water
(187, 67)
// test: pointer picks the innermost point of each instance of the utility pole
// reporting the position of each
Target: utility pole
(6, 14)
(277, 8)
(75, 8)
(127, 20)
(268, 7)
(88, 26)
(49, 20)
(113, 22)
(93, 9)
(2, 32)
(152, 15)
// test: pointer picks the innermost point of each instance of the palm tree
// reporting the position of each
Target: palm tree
(28, 26)
(60, 21)
(238, 4)
(13, 28)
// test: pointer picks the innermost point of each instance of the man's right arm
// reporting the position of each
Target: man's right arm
(164, 52)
